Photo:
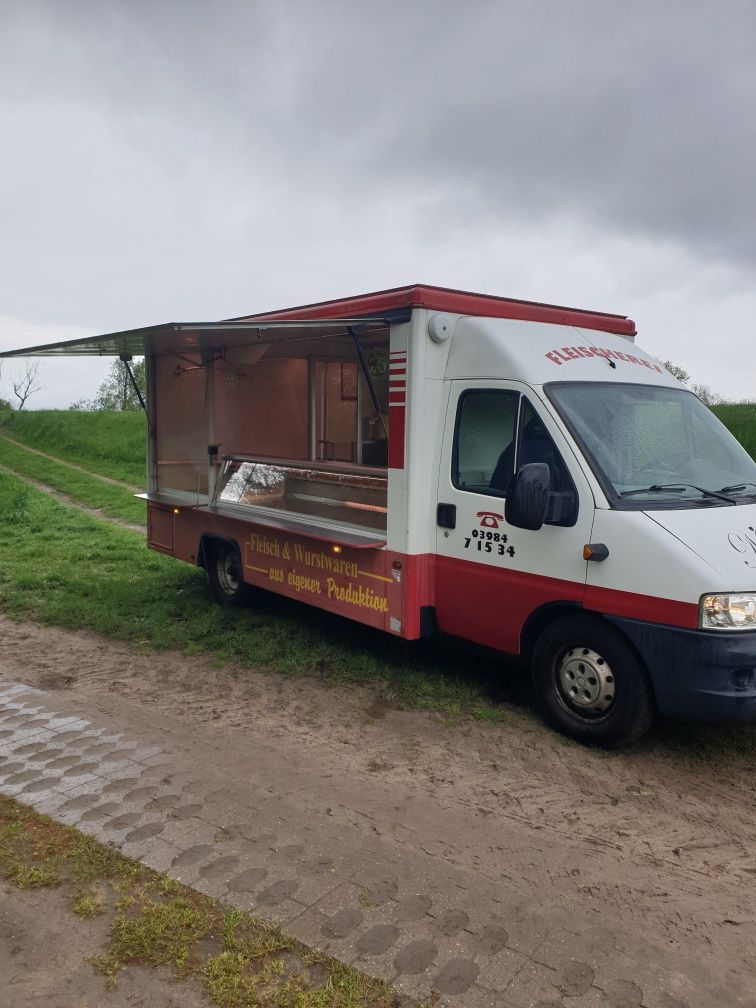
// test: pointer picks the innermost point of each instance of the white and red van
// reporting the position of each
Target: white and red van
(422, 459)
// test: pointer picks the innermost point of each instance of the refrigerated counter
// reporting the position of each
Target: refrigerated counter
(350, 494)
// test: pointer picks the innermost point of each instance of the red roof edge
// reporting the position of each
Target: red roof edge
(454, 301)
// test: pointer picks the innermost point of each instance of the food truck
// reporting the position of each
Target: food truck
(425, 460)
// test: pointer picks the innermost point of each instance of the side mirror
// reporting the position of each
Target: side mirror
(527, 499)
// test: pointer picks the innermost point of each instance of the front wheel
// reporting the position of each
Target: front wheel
(590, 683)
(225, 573)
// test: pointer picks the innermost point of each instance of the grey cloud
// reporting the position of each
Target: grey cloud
(208, 158)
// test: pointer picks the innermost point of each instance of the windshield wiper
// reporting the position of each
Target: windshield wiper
(661, 487)
(736, 486)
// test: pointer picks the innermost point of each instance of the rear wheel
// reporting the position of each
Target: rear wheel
(224, 570)
(590, 683)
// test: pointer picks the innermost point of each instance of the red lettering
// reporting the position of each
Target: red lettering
(633, 360)
(554, 356)
(584, 351)
(571, 354)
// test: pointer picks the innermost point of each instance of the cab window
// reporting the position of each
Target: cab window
(488, 448)
(484, 440)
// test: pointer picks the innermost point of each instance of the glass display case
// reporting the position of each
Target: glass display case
(350, 495)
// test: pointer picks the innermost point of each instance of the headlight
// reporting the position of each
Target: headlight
(728, 612)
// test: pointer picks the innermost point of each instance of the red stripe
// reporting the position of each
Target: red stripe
(397, 370)
(489, 605)
(398, 398)
(396, 437)
(614, 602)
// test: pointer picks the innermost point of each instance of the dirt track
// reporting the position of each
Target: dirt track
(664, 847)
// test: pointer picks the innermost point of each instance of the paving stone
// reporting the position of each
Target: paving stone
(456, 976)
(11, 767)
(100, 812)
(381, 891)
(184, 812)
(141, 794)
(451, 922)
(412, 908)
(145, 832)
(22, 777)
(197, 854)
(247, 881)
(162, 803)
(159, 856)
(120, 785)
(82, 801)
(46, 754)
(277, 892)
(41, 784)
(491, 938)
(623, 994)
(124, 821)
(343, 922)
(575, 978)
(220, 869)
(377, 939)
(415, 957)
(63, 762)
(81, 769)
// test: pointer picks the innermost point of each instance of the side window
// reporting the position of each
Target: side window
(536, 445)
(484, 441)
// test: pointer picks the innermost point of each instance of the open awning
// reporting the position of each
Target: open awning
(176, 337)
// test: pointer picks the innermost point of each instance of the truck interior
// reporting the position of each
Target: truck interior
(284, 419)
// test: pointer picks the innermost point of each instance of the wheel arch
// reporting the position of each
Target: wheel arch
(208, 542)
(540, 618)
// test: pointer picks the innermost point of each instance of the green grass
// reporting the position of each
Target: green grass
(740, 420)
(109, 443)
(239, 960)
(111, 500)
(69, 570)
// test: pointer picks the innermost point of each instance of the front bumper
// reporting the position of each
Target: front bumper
(697, 674)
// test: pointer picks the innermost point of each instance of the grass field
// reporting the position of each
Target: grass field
(740, 419)
(115, 501)
(109, 443)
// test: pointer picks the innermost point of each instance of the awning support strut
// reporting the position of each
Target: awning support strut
(125, 359)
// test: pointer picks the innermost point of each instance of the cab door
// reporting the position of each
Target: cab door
(490, 576)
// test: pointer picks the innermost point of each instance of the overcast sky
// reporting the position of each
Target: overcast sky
(169, 160)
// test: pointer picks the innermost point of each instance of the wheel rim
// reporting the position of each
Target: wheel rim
(229, 575)
(585, 683)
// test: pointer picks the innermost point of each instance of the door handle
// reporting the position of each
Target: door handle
(446, 516)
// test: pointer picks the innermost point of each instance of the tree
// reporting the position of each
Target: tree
(117, 391)
(675, 370)
(703, 392)
(27, 384)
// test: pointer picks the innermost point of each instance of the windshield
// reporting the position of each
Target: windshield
(660, 445)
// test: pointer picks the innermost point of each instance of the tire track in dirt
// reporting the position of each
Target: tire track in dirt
(67, 501)
(71, 465)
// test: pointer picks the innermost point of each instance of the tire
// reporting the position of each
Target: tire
(224, 570)
(590, 683)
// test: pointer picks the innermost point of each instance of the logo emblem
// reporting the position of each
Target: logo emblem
(489, 519)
